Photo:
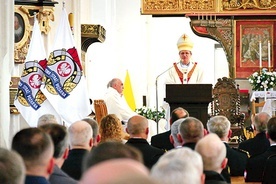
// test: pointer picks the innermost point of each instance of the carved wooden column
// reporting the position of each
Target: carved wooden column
(220, 30)
(90, 33)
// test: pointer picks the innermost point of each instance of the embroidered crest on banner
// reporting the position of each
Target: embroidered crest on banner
(63, 72)
(29, 93)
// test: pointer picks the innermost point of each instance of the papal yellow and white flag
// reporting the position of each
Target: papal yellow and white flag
(29, 100)
(64, 83)
(128, 92)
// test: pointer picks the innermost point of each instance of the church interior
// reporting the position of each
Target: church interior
(144, 44)
(234, 40)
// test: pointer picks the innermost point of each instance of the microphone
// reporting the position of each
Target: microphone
(156, 88)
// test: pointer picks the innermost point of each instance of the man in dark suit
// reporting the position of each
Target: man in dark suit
(81, 142)
(162, 140)
(137, 128)
(191, 130)
(213, 153)
(37, 150)
(256, 164)
(237, 159)
(259, 143)
(59, 136)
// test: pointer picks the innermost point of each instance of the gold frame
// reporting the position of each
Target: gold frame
(44, 14)
(13, 91)
(21, 47)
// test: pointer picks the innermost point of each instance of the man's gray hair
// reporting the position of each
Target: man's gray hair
(260, 121)
(174, 131)
(178, 166)
(46, 119)
(94, 125)
(219, 125)
(112, 82)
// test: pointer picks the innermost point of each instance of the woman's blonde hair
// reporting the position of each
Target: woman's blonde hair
(111, 128)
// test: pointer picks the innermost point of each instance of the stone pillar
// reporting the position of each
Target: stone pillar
(6, 67)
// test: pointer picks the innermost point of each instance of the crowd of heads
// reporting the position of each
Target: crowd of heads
(35, 151)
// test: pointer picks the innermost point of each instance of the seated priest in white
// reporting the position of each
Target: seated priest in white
(116, 104)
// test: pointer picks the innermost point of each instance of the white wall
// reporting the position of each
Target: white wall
(143, 45)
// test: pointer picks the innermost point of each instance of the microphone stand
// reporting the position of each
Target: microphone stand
(156, 92)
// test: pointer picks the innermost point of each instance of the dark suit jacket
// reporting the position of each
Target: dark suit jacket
(256, 145)
(150, 154)
(256, 164)
(162, 141)
(190, 145)
(35, 179)
(237, 160)
(73, 164)
(212, 177)
(60, 177)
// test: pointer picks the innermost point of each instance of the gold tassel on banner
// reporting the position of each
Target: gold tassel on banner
(71, 22)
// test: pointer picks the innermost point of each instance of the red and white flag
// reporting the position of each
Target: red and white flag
(29, 100)
(64, 84)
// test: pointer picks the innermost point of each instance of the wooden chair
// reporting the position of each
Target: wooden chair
(226, 102)
(255, 105)
(100, 110)
(237, 180)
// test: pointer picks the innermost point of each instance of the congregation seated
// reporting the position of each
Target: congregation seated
(12, 168)
(111, 129)
(81, 142)
(114, 149)
(137, 128)
(162, 140)
(37, 150)
(59, 136)
(181, 165)
(237, 159)
(259, 143)
(256, 164)
(213, 153)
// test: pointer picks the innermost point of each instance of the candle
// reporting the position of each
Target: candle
(268, 53)
(260, 53)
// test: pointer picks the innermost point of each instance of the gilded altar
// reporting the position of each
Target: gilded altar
(221, 20)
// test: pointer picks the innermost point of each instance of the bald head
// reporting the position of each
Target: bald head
(212, 151)
(191, 130)
(80, 135)
(114, 170)
(137, 125)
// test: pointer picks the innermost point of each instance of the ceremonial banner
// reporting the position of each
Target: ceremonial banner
(29, 100)
(64, 84)
(128, 93)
